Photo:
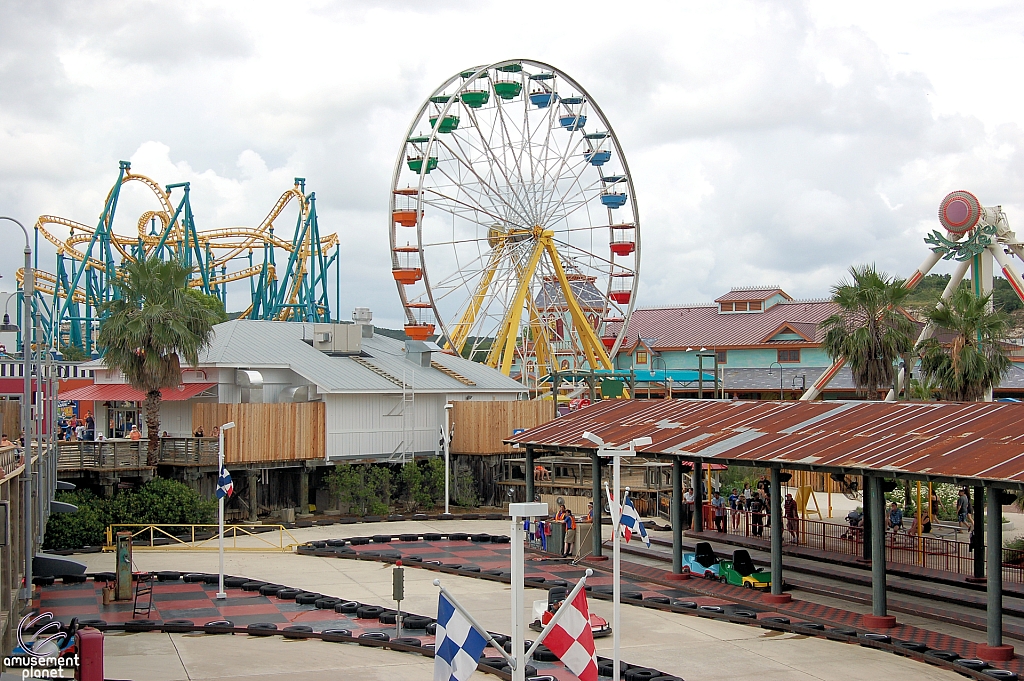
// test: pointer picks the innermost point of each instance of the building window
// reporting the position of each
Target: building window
(722, 356)
(755, 307)
(789, 355)
(641, 357)
(740, 307)
(727, 307)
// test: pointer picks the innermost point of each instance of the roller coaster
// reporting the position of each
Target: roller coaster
(70, 301)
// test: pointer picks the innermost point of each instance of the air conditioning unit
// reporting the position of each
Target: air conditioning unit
(338, 339)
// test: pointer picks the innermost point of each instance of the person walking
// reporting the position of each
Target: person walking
(718, 510)
(756, 515)
(792, 519)
(964, 512)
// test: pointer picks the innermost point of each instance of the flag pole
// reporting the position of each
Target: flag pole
(476, 625)
(558, 614)
(518, 512)
(221, 594)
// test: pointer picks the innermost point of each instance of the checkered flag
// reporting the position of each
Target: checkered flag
(572, 639)
(457, 645)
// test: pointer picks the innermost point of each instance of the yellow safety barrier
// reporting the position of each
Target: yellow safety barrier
(174, 537)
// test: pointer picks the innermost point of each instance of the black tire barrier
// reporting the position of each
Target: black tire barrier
(711, 608)
(107, 577)
(308, 598)
(375, 636)
(325, 553)
(271, 589)
(236, 582)
(95, 623)
(345, 550)
(458, 536)
(544, 654)
(348, 607)
(359, 541)
(305, 550)
(90, 549)
(43, 581)
(534, 578)
(319, 544)
(168, 576)
(413, 559)
(73, 579)
(326, 603)
(410, 641)
(288, 594)
(911, 646)
(297, 631)
(430, 629)
(336, 635)
(446, 516)
(667, 677)
(381, 538)
(508, 646)
(324, 522)
(745, 614)
(501, 539)
(453, 566)
(211, 579)
(1000, 673)
(178, 626)
(495, 572)
(689, 605)
(369, 612)
(543, 677)
(388, 617)
(944, 655)
(415, 622)
(972, 663)
(471, 568)
(408, 537)
(371, 519)
(261, 629)
(558, 582)
(773, 622)
(632, 595)
(470, 516)
(303, 523)
(530, 670)
(395, 518)
(336, 542)
(811, 626)
(219, 627)
(494, 516)
(603, 589)
(481, 538)
(432, 536)
(142, 625)
(660, 600)
(420, 516)
(840, 631)
(641, 674)
(608, 668)
(500, 639)
(348, 521)
(250, 586)
(877, 638)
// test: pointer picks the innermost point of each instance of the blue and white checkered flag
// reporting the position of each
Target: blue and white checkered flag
(225, 488)
(457, 645)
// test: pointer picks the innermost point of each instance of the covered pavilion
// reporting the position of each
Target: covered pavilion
(979, 445)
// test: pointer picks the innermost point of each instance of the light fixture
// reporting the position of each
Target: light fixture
(7, 326)
(641, 441)
(587, 435)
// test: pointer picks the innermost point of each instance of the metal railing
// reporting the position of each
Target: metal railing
(901, 547)
(175, 537)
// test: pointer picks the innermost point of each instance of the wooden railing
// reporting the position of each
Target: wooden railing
(102, 455)
(188, 451)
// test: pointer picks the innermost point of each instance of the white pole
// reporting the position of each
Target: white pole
(444, 438)
(616, 585)
(220, 508)
(518, 513)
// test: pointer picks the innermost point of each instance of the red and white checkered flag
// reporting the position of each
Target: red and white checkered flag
(572, 640)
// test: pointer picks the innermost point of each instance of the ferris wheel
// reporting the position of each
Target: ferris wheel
(515, 234)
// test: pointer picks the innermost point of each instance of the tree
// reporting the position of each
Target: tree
(154, 324)
(871, 330)
(974, 361)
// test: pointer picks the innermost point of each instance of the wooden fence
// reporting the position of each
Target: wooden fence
(10, 415)
(102, 455)
(265, 433)
(479, 427)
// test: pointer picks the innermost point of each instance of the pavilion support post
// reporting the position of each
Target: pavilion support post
(994, 650)
(677, 516)
(698, 497)
(978, 537)
(253, 478)
(304, 490)
(866, 520)
(595, 495)
(879, 617)
(528, 474)
(775, 533)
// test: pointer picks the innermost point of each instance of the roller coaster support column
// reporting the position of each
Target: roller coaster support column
(776, 533)
(677, 516)
(595, 495)
(879, 617)
(977, 538)
(994, 650)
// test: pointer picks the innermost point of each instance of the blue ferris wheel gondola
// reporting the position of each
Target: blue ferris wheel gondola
(613, 199)
(573, 122)
(598, 158)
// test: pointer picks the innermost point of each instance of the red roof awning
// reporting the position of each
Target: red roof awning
(122, 392)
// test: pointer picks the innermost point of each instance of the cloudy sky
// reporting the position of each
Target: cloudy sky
(770, 142)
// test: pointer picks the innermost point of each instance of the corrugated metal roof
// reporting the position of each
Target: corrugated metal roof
(254, 344)
(704, 325)
(940, 440)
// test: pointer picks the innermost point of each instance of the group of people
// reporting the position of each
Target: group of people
(930, 512)
(74, 428)
(755, 501)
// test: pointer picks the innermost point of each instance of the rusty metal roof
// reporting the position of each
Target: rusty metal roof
(931, 440)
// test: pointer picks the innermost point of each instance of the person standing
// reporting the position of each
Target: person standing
(792, 519)
(718, 509)
(688, 507)
(756, 515)
(135, 434)
(735, 504)
(565, 515)
(90, 426)
(747, 495)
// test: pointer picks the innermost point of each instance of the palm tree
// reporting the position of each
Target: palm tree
(974, 362)
(870, 331)
(155, 322)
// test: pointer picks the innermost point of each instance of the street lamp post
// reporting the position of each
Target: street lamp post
(701, 354)
(447, 453)
(780, 378)
(616, 509)
(220, 507)
(27, 291)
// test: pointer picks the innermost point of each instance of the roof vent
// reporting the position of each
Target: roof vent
(419, 352)
(362, 316)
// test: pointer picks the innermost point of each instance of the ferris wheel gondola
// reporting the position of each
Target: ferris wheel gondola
(514, 228)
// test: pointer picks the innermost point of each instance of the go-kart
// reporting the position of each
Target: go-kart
(599, 626)
(740, 571)
(702, 562)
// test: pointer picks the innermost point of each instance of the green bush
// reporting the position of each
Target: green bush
(366, 488)
(158, 501)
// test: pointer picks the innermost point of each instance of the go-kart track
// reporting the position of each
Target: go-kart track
(685, 629)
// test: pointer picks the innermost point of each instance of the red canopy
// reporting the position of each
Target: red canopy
(122, 392)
